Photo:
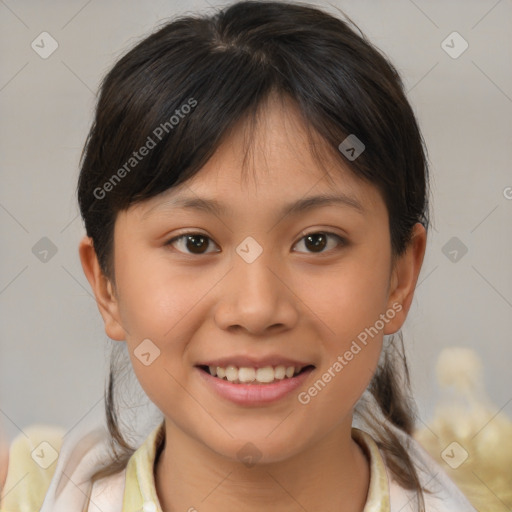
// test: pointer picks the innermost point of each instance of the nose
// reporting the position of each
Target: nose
(256, 298)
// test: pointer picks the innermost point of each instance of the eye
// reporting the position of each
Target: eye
(317, 241)
(196, 243)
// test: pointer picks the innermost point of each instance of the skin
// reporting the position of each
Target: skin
(291, 300)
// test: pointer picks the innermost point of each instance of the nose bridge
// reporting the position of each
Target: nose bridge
(252, 273)
(255, 298)
(256, 288)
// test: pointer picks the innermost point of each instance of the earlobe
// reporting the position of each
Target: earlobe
(102, 289)
(404, 278)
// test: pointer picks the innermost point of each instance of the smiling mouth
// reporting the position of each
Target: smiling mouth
(248, 375)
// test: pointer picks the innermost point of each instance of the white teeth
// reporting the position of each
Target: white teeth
(231, 373)
(279, 372)
(265, 374)
(246, 374)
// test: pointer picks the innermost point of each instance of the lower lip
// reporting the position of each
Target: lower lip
(254, 394)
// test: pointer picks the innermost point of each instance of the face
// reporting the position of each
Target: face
(255, 284)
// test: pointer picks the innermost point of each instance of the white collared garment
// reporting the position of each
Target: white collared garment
(64, 486)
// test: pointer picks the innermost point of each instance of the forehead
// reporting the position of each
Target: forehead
(272, 159)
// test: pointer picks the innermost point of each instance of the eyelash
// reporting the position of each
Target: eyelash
(341, 241)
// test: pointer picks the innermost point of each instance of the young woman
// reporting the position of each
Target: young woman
(255, 195)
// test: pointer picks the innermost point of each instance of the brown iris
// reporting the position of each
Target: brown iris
(316, 241)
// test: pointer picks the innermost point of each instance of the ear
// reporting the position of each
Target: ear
(103, 290)
(404, 277)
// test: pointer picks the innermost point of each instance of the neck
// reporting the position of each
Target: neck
(332, 475)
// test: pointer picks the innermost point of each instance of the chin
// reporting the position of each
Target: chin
(255, 447)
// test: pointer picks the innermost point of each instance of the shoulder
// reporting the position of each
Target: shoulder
(31, 466)
(445, 496)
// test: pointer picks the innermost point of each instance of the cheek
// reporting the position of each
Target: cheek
(153, 297)
(159, 304)
(338, 387)
(349, 302)
(348, 298)
(351, 358)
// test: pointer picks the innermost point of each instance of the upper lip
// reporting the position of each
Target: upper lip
(253, 362)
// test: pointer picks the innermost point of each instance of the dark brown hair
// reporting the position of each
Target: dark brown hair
(188, 84)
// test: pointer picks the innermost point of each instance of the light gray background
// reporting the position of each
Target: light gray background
(53, 347)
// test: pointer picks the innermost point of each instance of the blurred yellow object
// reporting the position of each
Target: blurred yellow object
(4, 458)
(32, 462)
(469, 436)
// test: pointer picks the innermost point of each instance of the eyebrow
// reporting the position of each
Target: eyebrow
(300, 206)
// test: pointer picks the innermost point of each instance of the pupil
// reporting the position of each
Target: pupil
(195, 242)
(318, 241)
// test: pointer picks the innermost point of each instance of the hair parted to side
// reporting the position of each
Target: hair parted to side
(226, 65)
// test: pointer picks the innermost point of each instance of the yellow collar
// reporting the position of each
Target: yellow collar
(140, 490)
